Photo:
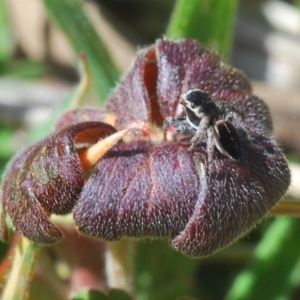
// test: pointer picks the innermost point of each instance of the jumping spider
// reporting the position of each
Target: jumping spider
(206, 121)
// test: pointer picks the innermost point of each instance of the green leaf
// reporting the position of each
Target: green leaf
(209, 21)
(275, 269)
(161, 272)
(6, 46)
(24, 69)
(114, 294)
(90, 295)
(185, 298)
(7, 137)
(70, 17)
(6, 142)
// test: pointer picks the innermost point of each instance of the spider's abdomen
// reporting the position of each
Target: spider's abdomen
(227, 140)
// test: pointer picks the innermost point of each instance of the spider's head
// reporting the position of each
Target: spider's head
(197, 103)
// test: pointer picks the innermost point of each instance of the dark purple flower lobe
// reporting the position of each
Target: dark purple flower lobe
(163, 190)
(130, 100)
(235, 197)
(74, 116)
(150, 91)
(46, 178)
(140, 189)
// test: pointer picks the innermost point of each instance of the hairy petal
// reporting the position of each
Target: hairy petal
(46, 178)
(74, 116)
(235, 197)
(184, 65)
(155, 189)
(163, 190)
(150, 91)
(139, 190)
(130, 100)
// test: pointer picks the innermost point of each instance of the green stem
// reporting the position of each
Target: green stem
(83, 88)
(19, 279)
(72, 20)
(209, 21)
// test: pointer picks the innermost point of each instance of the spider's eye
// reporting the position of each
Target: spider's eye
(193, 105)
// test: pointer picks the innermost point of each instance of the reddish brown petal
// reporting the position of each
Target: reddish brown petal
(130, 100)
(47, 178)
(163, 190)
(184, 65)
(151, 89)
(256, 114)
(139, 190)
(171, 73)
(75, 116)
(235, 197)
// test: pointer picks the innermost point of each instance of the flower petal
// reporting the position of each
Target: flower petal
(130, 100)
(163, 190)
(138, 190)
(74, 116)
(46, 178)
(235, 197)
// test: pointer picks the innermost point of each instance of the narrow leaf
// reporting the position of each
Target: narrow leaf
(90, 295)
(5, 39)
(72, 20)
(276, 259)
(209, 21)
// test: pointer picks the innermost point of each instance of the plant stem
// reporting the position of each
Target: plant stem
(119, 265)
(286, 208)
(18, 282)
(83, 88)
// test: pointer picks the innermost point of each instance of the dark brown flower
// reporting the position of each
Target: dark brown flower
(160, 189)
(147, 187)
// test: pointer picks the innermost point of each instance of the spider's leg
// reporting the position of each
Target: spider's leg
(179, 124)
(232, 115)
(200, 134)
(167, 123)
(210, 146)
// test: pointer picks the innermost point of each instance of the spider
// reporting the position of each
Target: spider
(206, 121)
